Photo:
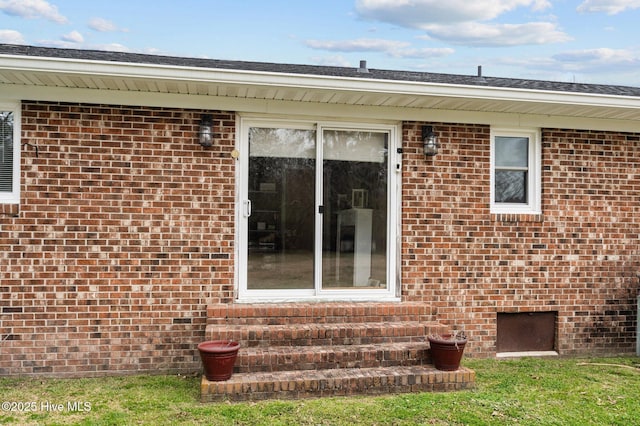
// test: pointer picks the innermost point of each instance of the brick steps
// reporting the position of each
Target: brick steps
(335, 382)
(302, 350)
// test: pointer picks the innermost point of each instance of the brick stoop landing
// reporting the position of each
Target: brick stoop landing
(302, 350)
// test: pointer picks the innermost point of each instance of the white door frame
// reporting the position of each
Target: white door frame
(391, 292)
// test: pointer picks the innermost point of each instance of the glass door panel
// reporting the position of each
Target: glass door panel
(354, 231)
(282, 209)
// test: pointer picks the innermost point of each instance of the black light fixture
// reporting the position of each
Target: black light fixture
(430, 141)
(206, 130)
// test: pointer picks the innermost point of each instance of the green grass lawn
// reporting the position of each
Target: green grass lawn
(548, 391)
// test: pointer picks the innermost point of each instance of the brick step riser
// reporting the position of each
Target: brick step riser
(417, 379)
(333, 341)
(268, 361)
(249, 337)
(285, 314)
(315, 320)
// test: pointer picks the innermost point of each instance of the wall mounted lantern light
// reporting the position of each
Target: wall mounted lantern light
(430, 141)
(206, 130)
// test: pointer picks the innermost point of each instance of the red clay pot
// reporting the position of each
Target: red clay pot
(446, 352)
(218, 358)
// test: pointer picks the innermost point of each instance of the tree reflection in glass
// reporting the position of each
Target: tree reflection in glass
(511, 169)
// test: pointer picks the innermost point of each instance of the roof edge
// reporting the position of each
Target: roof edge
(133, 65)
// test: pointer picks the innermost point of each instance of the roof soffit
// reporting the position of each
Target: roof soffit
(248, 84)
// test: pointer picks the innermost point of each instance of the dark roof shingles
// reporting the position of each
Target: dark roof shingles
(374, 74)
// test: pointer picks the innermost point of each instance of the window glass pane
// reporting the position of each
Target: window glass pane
(512, 151)
(6, 151)
(343, 145)
(281, 225)
(354, 237)
(285, 143)
(511, 186)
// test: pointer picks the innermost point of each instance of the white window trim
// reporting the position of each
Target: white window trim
(393, 221)
(534, 182)
(13, 197)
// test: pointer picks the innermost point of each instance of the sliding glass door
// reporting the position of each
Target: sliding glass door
(280, 206)
(355, 195)
(315, 220)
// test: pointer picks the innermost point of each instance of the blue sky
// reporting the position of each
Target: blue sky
(585, 41)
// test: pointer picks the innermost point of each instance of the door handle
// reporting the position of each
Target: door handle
(247, 208)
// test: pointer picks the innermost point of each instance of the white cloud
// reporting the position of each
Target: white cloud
(11, 37)
(465, 22)
(396, 49)
(603, 65)
(104, 25)
(478, 34)
(357, 45)
(331, 61)
(32, 9)
(598, 59)
(73, 37)
(610, 7)
(422, 53)
(112, 47)
(417, 13)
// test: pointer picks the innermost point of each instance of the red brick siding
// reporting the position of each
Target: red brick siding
(579, 258)
(124, 234)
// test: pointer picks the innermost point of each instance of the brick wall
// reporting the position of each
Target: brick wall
(124, 234)
(579, 258)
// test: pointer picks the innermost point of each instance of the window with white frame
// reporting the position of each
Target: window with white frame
(9, 155)
(515, 171)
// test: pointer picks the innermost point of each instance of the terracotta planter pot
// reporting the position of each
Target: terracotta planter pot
(446, 352)
(218, 358)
